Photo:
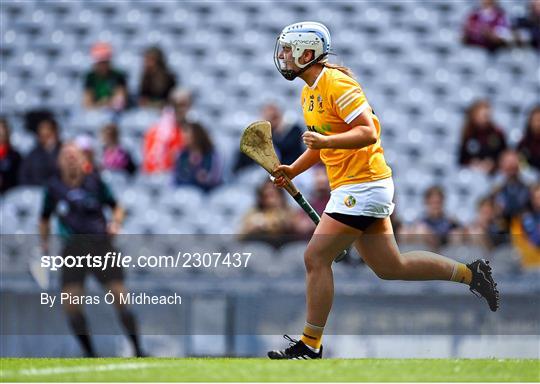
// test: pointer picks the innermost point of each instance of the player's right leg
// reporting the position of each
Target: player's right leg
(379, 250)
(76, 318)
(329, 239)
(112, 279)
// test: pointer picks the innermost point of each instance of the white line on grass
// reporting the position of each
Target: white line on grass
(81, 368)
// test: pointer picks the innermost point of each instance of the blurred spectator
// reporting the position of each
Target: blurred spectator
(270, 220)
(488, 228)
(10, 160)
(198, 163)
(527, 28)
(320, 193)
(157, 80)
(104, 86)
(114, 157)
(481, 141)
(318, 199)
(512, 193)
(163, 141)
(529, 146)
(526, 231)
(487, 26)
(287, 138)
(40, 164)
(436, 227)
(531, 218)
(33, 117)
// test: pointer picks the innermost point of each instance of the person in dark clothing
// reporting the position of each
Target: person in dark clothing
(529, 146)
(270, 220)
(198, 163)
(104, 86)
(436, 227)
(10, 159)
(481, 141)
(512, 195)
(40, 164)
(527, 28)
(488, 229)
(157, 80)
(78, 199)
(287, 138)
(33, 117)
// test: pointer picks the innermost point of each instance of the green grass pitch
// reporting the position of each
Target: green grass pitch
(246, 370)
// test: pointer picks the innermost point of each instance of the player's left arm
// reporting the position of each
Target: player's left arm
(117, 220)
(363, 133)
(349, 103)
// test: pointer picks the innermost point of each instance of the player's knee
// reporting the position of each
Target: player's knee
(313, 261)
(309, 262)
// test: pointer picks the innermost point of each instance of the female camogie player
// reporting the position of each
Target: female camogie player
(344, 133)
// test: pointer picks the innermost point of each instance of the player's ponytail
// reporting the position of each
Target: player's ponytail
(340, 68)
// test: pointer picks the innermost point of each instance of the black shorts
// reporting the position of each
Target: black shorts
(358, 222)
(94, 245)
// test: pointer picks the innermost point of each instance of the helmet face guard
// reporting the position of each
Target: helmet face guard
(281, 64)
(300, 37)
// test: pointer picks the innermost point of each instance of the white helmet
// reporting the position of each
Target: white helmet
(299, 37)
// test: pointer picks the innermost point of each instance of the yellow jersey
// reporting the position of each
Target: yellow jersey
(329, 106)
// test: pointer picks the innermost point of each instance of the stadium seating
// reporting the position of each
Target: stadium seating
(407, 55)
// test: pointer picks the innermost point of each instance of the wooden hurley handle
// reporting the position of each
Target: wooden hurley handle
(289, 186)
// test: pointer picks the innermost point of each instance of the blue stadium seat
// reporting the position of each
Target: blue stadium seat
(20, 210)
(182, 201)
(231, 200)
(138, 121)
(293, 255)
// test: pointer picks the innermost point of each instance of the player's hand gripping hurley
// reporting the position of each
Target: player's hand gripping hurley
(256, 142)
